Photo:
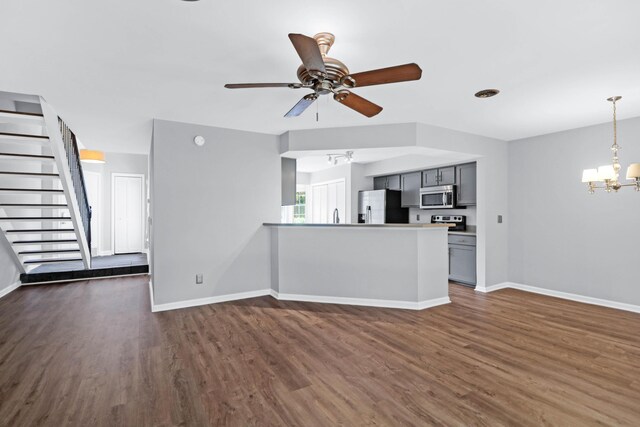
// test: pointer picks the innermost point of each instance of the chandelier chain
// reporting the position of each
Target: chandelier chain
(615, 125)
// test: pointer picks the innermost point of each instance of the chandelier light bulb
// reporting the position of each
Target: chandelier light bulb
(610, 174)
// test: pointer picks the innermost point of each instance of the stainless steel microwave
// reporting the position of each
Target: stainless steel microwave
(442, 197)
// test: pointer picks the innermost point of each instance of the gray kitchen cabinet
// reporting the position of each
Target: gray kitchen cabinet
(441, 176)
(393, 182)
(466, 180)
(288, 182)
(462, 259)
(410, 183)
(447, 176)
(430, 178)
(379, 182)
(389, 182)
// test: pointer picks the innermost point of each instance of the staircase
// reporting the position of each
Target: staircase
(44, 212)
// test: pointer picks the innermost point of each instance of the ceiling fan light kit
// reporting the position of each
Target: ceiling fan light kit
(325, 75)
(610, 174)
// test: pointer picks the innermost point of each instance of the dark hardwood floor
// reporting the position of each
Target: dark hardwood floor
(91, 353)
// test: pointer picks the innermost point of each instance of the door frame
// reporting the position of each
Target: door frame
(97, 215)
(114, 175)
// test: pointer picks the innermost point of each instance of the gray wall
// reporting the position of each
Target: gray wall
(8, 270)
(560, 237)
(115, 163)
(491, 157)
(209, 204)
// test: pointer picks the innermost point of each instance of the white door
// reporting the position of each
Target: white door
(325, 198)
(92, 184)
(319, 204)
(128, 220)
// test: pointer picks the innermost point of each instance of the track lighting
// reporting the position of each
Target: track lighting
(333, 158)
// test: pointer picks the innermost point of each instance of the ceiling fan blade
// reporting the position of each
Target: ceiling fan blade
(399, 73)
(357, 103)
(302, 105)
(257, 85)
(309, 52)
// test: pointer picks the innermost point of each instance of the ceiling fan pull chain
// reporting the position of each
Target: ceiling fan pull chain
(317, 112)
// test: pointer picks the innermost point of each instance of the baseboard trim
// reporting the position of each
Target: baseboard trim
(564, 295)
(10, 288)
(366, 302)
(487, 289)
(408, 305)
(209, 300)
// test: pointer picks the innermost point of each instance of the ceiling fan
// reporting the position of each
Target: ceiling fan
(325, 75)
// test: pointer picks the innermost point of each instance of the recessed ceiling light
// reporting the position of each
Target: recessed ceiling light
(487, 93)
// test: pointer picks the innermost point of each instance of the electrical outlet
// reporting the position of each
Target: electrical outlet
(199, 279)
(417, 217)
(499, 219)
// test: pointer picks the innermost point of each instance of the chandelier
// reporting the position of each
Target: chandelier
(610, 174)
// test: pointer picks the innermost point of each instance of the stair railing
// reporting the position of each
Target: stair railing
(67, 156)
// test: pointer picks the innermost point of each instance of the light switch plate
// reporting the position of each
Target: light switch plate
(199, 279)
(417, 217)
(499, 219)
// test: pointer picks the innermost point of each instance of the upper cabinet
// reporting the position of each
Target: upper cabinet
(410, 183)
(447, 176)
(466, 180)
(463, 176)
(441, 176)
(391, 182)
(430, 178)
(288, 177)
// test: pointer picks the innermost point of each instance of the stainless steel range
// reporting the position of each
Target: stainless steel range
(460, 221)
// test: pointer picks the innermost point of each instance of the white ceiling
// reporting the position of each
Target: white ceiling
(110, 67)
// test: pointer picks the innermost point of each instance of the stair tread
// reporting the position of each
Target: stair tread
(35, 218)
(19, 113)
(46, 190)
(42, 230)
(50, 251)
(31, 156)
(32, 205)
(23, 135)
(29, 173)
(41, 242)
(42, 261)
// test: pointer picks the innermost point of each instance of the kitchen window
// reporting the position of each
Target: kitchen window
(296, 214)
(299, 209)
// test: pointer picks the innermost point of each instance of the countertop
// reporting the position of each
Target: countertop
(275, 224)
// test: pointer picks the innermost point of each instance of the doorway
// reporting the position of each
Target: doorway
(127, 213)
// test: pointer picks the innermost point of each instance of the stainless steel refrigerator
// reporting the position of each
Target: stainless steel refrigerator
(381, 207)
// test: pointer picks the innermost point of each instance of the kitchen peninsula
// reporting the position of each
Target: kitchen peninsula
(386, 265)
